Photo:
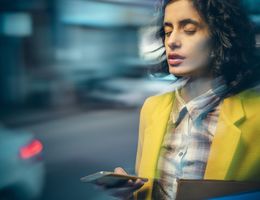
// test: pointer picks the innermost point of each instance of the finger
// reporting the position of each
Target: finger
(130, 182)
(142, 179)
(133, 183)
(120, 170)
(139, 182)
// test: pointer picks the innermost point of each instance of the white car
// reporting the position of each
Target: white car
(21, 165)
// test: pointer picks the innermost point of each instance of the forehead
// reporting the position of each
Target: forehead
(181, 9)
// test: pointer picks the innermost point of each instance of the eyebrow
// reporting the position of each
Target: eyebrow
(182, 22)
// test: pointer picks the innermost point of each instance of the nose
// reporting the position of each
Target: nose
(174, 40)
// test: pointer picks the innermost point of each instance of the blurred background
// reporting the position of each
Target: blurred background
(73, 76)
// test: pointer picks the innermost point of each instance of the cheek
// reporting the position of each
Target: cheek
(199, 53)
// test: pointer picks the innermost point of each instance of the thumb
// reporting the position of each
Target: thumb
(120, 170)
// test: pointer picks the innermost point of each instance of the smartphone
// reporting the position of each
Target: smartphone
(109, 179)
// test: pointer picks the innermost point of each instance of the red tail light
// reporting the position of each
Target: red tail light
(32, 149)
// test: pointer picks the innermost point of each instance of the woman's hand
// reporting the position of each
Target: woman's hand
(126, 190)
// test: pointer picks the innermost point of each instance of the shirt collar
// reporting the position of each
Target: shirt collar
(203, 104)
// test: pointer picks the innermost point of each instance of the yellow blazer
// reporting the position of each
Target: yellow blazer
(235, 149)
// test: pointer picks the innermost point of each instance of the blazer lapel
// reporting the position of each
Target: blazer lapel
(226, 139)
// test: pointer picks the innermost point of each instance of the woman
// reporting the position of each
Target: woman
(208, 127)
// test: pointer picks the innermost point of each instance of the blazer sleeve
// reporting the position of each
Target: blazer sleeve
(143, 123)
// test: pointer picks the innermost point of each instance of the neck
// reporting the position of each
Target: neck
(195, 87)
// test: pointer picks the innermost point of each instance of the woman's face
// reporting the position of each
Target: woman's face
(187, 40)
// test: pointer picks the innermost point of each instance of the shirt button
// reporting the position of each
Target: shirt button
(180, 154)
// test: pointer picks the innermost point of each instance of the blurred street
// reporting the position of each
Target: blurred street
(73, 77)
(80, 144)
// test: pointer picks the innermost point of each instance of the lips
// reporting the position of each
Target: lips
(175, 59)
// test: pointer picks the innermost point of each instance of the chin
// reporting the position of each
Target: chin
(181, 71)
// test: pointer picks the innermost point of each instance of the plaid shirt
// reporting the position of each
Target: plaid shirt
(185, 148)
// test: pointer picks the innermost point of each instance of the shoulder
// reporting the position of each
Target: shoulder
(251, 97)
(248, 100)
(251, 103)
(155, 104)
(157, 100)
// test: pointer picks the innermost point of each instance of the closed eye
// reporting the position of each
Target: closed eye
(190, 32)
(190, 28)
(167, 34)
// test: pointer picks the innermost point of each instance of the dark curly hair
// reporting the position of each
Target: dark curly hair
(233, 39)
